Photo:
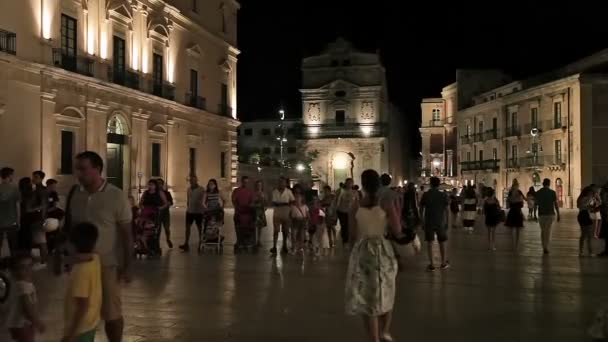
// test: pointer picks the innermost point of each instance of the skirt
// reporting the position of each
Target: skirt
(370, 279)
(515, 218)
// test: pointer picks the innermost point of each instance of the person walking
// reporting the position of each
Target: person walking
(531, 199)
(469, 209)
(260, 203)
(493, 215)
(194, 211)
(32, 218)
(434, 211)
(585, 204)
(604, 217)
(515, 218)
(106, 206)
(10, 206)
(596, 204)
(165, 214)
(454, 208)
(244, 214)
(153, 200)
(328, 204)
(372, 267)
(282, 198)
(346, 200)
(547, 206)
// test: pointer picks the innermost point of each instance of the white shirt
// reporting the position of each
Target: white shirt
(16, 312)
(284, 197)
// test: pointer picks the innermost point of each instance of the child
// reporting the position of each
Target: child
(23, 318)
(299, 221)
(83, 297)
(317, 221)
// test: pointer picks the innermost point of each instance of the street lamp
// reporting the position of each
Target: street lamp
(282, 139)
(300, 167)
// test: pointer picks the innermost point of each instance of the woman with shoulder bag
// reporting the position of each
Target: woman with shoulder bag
(585, 206)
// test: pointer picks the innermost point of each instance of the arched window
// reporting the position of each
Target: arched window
(116, 125)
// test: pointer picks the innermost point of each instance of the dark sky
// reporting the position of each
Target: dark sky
(420, 46)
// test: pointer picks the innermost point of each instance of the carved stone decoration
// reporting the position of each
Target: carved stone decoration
(314, 112)
(367, 111)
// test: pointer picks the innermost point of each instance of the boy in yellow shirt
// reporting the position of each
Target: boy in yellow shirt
(83, 298)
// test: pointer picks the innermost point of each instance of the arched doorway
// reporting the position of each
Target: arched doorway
(559, 189)
(117, 152)
(536, 180)
(341, 167)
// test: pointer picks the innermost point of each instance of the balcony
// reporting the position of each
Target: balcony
(196, 101)
(561, 124)
(161, 89)
(512, 163)
(513, 131)
(79, 64)
(224, 110)
(8, 42)
(436, 123)
(127, 78)
(343, 130)
(478, 137)
(477, 165)
(544, 160)
(491, 134)
(466, 139)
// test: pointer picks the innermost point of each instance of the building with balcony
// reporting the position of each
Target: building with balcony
(347, 118)
(260, 141)
(148, 84)
(550, 126)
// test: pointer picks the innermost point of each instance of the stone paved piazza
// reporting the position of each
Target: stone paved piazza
(483, 297)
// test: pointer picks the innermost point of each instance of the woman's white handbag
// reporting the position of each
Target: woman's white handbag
(50, 225)
(416, 245)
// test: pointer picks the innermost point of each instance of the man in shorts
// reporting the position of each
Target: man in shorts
(98, 202)
(281, 201)
(194, 211)
(9, 209)
(434, 212)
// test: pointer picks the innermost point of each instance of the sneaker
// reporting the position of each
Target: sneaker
(169, 244)
(184, 247)
(273, 251)
(430, 268)
(445, 265)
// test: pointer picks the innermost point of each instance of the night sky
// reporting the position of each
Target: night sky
(421, 47)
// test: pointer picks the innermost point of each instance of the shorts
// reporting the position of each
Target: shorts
(39, 237)
(442, 234)
(194, 218)
(88, 336)
(111, 305)
(281, 218)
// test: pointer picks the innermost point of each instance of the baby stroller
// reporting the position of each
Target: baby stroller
(147, 233)
(246, 233)
(212, 232)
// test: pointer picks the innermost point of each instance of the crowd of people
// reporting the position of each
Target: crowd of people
(101, 227)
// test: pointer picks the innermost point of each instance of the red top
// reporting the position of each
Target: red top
(243, 206)
(315, 216)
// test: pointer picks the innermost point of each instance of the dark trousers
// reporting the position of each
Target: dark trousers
(165, 222)
(344, 227)
(11, 236)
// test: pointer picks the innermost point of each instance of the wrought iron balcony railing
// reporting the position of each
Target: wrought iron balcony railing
(478, 165)
(125, 77)
(343, 130)
(513, 131)
(79, 64)
(436, 123)
(224, 110)
(491, 134)
(8, 42)
(196, 101)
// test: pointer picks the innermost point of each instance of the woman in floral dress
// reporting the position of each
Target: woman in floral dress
(372, 268)
(259, 203)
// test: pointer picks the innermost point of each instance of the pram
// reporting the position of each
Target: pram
(147, 229)
(212, 231)
(246, 233)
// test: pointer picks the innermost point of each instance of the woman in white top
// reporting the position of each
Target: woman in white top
(372, 268)
(299, 222)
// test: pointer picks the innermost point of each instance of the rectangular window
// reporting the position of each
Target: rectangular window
(558, 151)
(557, 115)
(468, 155)
(193, 82)
(514, 119)
(494, 124)
(68, 42)
(157, 74)
(119, 60)
(223, 165)
(480, 155)
(514, 152)
(469, 130)
(480, 127)
(340, 117)
(67, 152)
(195, 6)
(291, 150)
(534, 117)
(265, 131)
(436, 115)
(248, 132)
(495, 153)
(192, 161)
(224, 100)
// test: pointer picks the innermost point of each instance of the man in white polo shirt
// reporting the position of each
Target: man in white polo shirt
(106, 206)
(281, 199)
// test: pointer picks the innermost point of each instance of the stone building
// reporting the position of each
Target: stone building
(262, 139)
(347, 117)
(148, 84)
(549, 126)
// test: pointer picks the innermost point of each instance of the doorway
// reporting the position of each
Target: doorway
(117, 153)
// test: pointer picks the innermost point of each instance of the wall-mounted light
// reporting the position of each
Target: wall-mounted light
(300, 167)
(314, 130)
(366, 130)
(46, 18)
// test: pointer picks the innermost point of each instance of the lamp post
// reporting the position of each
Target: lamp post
(282, 139)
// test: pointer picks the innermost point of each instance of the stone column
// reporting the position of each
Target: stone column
(139, 146)
(96, 136)
(450, 163)
(48, 143)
